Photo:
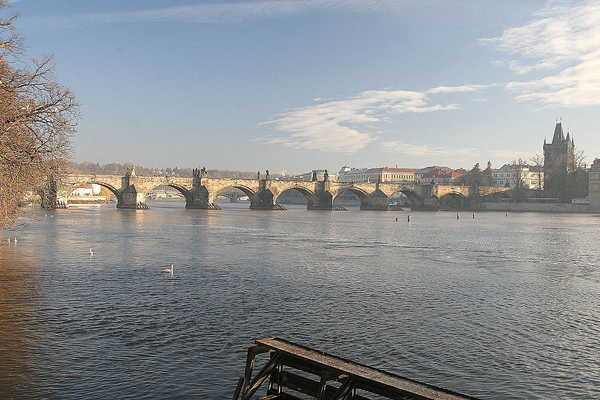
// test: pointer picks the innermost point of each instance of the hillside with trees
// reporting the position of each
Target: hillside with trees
(88, 168)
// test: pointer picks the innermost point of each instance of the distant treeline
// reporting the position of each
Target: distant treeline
(88, 168)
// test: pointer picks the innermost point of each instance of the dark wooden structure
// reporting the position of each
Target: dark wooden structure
(297, 372)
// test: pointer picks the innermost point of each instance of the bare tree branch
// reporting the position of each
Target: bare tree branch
(38, 117)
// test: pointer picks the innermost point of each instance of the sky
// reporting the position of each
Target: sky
(297, 85)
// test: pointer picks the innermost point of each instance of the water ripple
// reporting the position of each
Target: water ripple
(494, 307)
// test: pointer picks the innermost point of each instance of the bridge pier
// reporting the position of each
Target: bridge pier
(129, 197)
(264, 199)
(53, 197)
(323, 198)
(376, 201)
(197, 197)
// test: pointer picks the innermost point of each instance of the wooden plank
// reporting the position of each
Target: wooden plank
(364, 377)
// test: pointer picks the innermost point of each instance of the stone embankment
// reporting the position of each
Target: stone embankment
(530, 207)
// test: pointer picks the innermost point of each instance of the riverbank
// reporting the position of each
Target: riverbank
(533, 207)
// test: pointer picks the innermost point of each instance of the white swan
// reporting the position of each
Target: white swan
(169, 270)
(91, 252)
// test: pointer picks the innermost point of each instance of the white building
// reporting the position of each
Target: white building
(361, 175)
(508, 176)
(87, 190)
(319, 174)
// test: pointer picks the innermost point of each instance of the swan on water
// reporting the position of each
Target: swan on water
(169, 270)
(91, 252)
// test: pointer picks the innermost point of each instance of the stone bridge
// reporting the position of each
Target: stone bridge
(200, 191)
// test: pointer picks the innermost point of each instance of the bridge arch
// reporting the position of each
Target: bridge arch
(106, 185)
(246, 190)
(415, 200)
(308, 194)
(454, 201)
(361, 194)
(366, 199)
(185, 192)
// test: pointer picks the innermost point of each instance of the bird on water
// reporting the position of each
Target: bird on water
(91, 252)
(169, 270)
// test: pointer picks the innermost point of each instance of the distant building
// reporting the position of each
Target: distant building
(536, 177)
(486, 176)
(594, 185)
(308, 176)
(385, 174)
(87, 190)
(478, 177)
(440, 175)
(559, 162)
(509, 175)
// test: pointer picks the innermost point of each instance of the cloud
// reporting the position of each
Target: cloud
(563, 39)
(457, 155)
(344, 126)
(456, 89)
(426, 150)
(572, 87)
(226, 11)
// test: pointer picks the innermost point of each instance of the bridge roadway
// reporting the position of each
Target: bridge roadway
(200, 191)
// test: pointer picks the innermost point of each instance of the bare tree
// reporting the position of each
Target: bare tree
(518, 177)
(538, 161)
(37, 119)
(577, 180)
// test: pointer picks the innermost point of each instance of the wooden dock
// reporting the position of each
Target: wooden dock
(295, 372)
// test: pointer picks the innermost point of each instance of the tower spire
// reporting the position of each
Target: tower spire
(559, 135)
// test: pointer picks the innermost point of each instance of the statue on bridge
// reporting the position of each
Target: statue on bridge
(130, 171)
(199, 173)
(314, 176)
(326, 176)
(267, 175)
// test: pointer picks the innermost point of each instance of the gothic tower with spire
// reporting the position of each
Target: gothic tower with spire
(559, 162)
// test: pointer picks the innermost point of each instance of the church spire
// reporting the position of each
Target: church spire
(559, 135)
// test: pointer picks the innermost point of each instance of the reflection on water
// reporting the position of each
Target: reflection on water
(495, 307)
(20, 295)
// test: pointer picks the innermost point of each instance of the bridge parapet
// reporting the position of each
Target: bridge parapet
(487, 190)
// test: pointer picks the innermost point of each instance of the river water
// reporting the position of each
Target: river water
(494, 307)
